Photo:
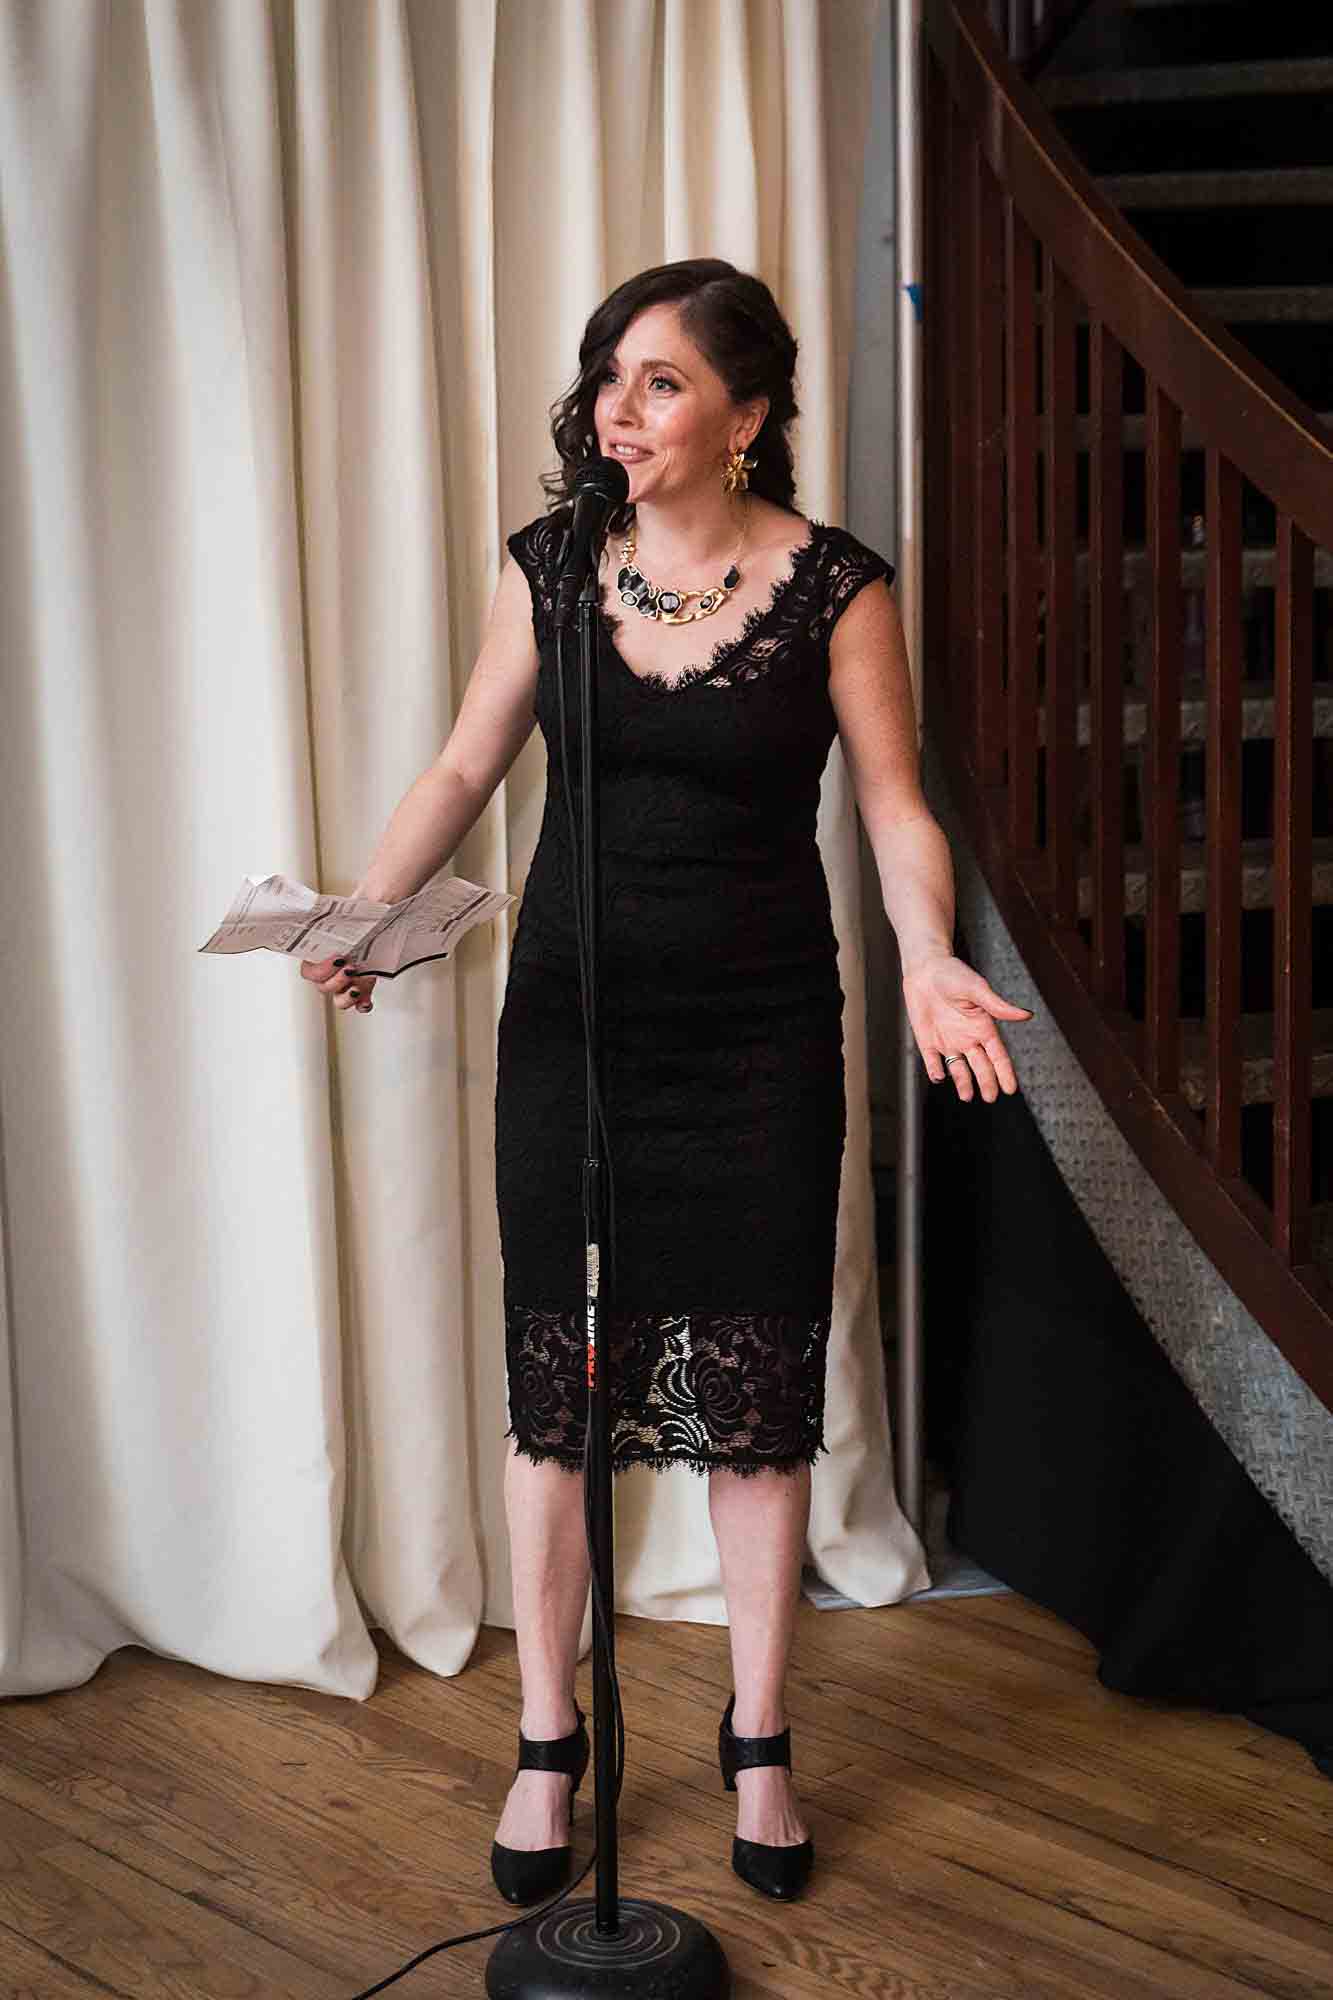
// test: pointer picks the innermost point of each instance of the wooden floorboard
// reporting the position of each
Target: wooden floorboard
(989, 1821)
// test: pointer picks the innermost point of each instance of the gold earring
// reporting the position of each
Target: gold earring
(736, 478)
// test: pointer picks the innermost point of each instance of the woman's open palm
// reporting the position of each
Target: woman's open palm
(953, 1012)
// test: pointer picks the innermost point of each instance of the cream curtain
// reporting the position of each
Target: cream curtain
(288, 288)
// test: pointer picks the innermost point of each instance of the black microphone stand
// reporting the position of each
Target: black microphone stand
(633, 1949)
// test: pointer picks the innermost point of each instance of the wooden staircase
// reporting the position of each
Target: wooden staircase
(1224, 167)
(1225, 171)
(1127, 435)
(1210, 125)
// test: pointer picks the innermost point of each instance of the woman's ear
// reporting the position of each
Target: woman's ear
(761, 405)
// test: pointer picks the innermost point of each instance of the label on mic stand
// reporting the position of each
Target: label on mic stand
(592, 1315)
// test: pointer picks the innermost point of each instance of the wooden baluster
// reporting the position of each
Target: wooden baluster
(1224, 645)
(962, 399)
(1062, 662)
(987, 471)
(1021, 441)
(1162, 760)
(1020, 23)
(1293, 731)
(941, 545)
(1106, 587)
(937, 686)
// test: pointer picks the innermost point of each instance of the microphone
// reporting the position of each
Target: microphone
(599, 486)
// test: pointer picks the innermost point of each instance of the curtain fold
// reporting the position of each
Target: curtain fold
(288, 290)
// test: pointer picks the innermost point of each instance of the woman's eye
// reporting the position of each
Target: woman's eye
(609, 375)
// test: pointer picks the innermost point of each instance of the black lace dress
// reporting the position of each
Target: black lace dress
(722, 1043)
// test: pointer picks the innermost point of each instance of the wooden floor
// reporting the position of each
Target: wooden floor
(989, 1820)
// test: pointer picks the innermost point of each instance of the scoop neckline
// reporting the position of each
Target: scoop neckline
(707, 670)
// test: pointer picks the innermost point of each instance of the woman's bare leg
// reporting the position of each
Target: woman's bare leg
(549, 1556)
(760, 1524)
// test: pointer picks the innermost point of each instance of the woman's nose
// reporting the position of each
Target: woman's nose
(624, 407)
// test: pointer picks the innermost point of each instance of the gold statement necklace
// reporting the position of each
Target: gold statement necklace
(665, 602)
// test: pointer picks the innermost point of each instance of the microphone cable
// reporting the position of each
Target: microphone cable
(598, 1601)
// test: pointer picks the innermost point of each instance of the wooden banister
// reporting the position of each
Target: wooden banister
(1044, 308)
(1210, 377)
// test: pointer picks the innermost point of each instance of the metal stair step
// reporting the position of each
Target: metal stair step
(1256, 1040)
(1258, 567)
(1249, 305)
(1257, 705)
(1249, 187)
(1256, 878)
(1173, 83)
(1134, 432)
(1175, 31)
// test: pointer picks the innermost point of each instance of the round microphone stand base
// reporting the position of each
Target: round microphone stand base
(657, 1953)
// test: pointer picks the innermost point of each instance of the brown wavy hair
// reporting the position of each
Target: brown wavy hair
(734, 321)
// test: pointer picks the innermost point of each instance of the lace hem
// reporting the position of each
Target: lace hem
(740, 1392)
(664, 1461)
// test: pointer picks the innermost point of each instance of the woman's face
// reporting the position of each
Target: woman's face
(660, 396)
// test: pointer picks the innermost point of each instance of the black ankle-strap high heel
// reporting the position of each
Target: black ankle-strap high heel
(524, 1875)
(775, 1871)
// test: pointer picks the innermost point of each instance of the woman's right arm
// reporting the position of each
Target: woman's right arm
(436, 813)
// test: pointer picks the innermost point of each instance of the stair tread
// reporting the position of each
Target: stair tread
(1257, 717)
(1256, 1033)
(1230, 187)
(1256, 876)
(1134, 432)
(1258, 564)
(1256, 1057)
(1294, 76)
(1246, 305)
(1249, 304)
(1256, 851)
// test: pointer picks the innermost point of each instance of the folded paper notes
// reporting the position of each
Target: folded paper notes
(273, 913)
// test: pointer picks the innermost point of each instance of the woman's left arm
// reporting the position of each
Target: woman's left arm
(952, 1009)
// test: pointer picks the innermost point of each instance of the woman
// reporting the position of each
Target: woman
(747, 637)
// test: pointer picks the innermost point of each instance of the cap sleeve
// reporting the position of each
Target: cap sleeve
(535, 548)
(851, 565)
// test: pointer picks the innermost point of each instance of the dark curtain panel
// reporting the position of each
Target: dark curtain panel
(1083, 1472)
